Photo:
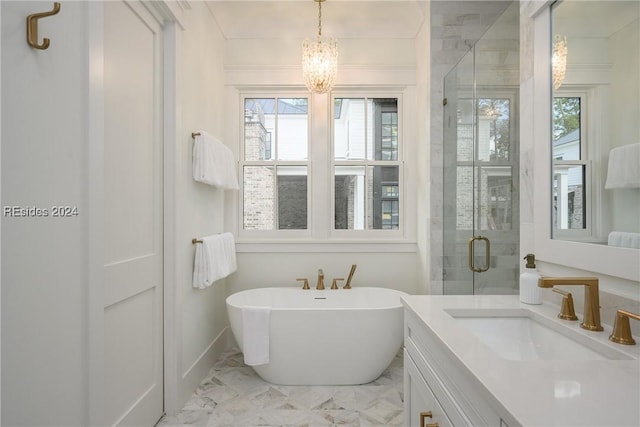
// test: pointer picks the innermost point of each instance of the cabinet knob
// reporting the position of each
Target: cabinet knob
(427, 414)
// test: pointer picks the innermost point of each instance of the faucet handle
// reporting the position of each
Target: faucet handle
(334, 284)
(306, 283)
(621, 329)
(567, 311)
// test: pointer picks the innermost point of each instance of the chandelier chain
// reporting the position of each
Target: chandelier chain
(319, 19)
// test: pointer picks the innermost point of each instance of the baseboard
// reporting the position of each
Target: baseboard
(193, 376)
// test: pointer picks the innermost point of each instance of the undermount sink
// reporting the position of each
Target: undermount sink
(518, 334)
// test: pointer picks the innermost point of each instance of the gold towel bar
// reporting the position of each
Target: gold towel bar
(194, 241)
(194, 134)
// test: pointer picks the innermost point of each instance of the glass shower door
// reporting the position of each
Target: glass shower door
(481, 197)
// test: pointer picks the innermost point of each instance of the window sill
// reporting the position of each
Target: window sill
(325, 246)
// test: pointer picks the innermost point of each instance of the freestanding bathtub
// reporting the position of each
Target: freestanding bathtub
(325, 337)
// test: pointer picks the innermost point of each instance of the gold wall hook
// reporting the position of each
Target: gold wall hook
(32, 27)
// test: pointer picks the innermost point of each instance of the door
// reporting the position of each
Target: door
(480, 190)
(133, 215)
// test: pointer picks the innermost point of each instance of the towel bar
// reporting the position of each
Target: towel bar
(194, 241)
(194, 134)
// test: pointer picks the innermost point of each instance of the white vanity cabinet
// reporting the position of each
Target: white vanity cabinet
(436, 382)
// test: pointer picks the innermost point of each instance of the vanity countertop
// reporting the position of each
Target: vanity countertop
(538, 392)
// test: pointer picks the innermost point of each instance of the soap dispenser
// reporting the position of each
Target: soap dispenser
(529, 290)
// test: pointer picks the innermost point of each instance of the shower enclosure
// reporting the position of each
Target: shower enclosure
(481, 191)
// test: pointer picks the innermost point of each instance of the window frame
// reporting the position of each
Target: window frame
(367, 94)
(274, 233)
(319, 236)
(592, 179)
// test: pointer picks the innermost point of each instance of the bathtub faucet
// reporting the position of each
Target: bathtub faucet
(320, 284)
(348, 284)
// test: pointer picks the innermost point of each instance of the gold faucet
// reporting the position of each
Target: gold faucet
(567, 312)
(306, 283)
(591, 320)
(621, 329)
(320, 284)
(350, 276)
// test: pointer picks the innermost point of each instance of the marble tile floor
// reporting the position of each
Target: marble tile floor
(232, 394)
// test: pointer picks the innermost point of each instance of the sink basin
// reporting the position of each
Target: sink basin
(520, 334)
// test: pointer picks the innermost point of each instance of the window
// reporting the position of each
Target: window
(275, 164)
(571, 168)
(486, 158)
(366, 167)
(356, 176)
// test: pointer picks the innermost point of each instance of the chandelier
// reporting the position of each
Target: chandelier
(320, 60)
(559, 60)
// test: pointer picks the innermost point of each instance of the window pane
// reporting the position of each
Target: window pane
(259, 128)
(464, 198)
(293, 129)
(262, 137)
(464, 132)
(349, 129)
(566, 128)
(384, 128)
(383, 212)
(569, 197)
(493, 129)
(292, 197)
(495, 198)
(259, 197)
(349, 192)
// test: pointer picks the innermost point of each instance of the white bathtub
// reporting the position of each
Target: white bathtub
(328, 337)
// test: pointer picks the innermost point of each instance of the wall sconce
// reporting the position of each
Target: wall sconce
(320, 60)
(559, 60)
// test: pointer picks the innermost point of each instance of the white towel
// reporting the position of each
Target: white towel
(624, 239)
(624, 167)
(255, 334)
(215, 259)
(213, 163)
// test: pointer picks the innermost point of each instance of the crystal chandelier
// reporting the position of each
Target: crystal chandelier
(559, 60)
(320, 60)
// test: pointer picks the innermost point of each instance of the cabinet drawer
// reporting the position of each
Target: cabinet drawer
(421, 405)
(464, 399)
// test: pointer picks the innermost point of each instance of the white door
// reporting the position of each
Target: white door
(133, 145)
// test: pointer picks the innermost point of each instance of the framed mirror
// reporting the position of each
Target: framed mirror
(603, 127)
(595, 135)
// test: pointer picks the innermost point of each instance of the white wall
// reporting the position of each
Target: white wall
(199, 316)
(44, 276)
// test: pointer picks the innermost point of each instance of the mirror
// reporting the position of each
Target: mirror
(595, 146)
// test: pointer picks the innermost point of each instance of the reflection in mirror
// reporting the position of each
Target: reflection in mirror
(596, 137)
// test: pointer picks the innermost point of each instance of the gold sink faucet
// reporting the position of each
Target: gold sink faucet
(591, 320)
(320, 284)
(621, 329)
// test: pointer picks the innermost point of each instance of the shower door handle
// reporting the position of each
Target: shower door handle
(472, 266)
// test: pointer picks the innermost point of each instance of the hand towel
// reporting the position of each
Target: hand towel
(215, 259)
(624, 167)
(624, 239)
(213, 163)
(255, 334)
